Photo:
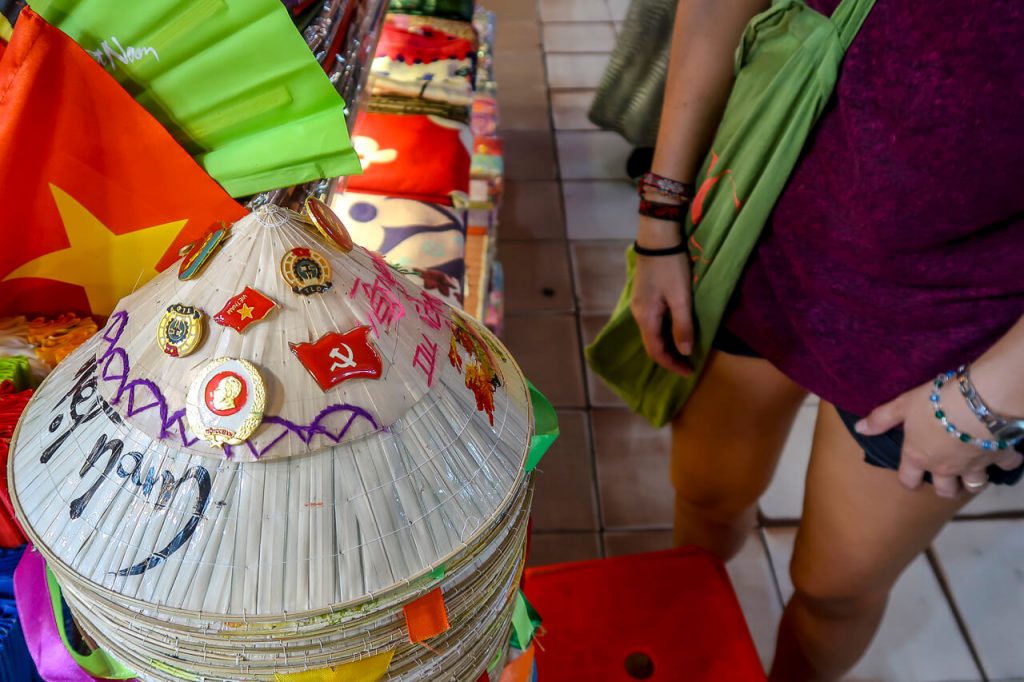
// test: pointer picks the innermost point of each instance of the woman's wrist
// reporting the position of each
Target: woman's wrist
(657, 234)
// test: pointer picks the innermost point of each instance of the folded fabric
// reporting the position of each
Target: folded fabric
(15, 662)
(15, 373)
(254, 119)
(11, 407)
(436, 91)
(452, 9)
(408, 233)
(425, 43)
(425, 25)
(484, 116)
(412, 156)
(55, 339)
(387, 103)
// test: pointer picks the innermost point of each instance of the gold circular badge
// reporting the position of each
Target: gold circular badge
(225, 401)
(181, 330)
(306, 271)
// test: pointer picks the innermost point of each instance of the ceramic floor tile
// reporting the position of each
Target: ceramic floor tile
(592, 155)
(569, 109)
(600, 209)
(529, 155)
(579, 36)
(617, 9)
(524, 108)
(983, 562)
(565, 497)
(557, 548)
(574, 10)
(547, 349)
(517, 69)
(598, 392)
(531, 210)
(569, 71)
(751, 574)
(599, 273)
(618, 543)
(632, 471)
(512, 10)
(517, 34)
(784, 498)
(918, 641)
(536, 276)
(997, 499)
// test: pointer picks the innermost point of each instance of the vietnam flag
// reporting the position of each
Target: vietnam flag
(98, 196)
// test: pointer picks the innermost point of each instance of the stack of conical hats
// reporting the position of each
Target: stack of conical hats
(270, 454)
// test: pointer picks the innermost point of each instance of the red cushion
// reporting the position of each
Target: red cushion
(676, 608)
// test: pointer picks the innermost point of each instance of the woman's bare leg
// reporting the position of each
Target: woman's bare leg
(860, 529)
(725, 446)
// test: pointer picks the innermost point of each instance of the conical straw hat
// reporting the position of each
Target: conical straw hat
(350, 485)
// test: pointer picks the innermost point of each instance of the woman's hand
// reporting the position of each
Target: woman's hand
(927, 446)
(661, 302)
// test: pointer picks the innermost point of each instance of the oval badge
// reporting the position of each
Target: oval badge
(199, 252)
(328, 223)
(225, 401)
(181, 330)
(306, 271)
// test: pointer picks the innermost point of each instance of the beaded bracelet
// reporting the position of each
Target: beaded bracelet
(666, 186)
(952, 430)
(660, 211)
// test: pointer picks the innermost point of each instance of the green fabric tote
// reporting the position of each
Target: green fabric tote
(232, 80)
(786, 68)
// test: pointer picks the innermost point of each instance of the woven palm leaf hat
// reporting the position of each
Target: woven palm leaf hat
(268, 452)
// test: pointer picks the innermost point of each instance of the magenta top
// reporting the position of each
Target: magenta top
(897, 249)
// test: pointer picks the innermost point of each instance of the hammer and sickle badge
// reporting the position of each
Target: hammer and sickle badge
(335, 357)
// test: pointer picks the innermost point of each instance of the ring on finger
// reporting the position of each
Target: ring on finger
(974, 486)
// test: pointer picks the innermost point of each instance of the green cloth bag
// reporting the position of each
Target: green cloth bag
(786, 68)
(232, 80)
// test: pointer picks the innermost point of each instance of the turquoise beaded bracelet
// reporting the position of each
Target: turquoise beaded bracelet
(940, 414)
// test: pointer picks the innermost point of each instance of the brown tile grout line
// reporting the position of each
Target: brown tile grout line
(961, 623)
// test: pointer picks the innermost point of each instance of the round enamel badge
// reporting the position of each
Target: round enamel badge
(181, 330)
(306, 271)
(226, 401)
(328, 223)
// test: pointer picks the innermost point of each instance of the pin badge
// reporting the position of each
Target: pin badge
(199, 252)
(181, 330)
(338, 357)
(328, 223)
(244, 309)
(225, 401)
(306, 271)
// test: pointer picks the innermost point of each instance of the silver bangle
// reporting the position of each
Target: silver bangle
(1008, 429)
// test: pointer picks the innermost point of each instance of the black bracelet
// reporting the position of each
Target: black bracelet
(671, 251)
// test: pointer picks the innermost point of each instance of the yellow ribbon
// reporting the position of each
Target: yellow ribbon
(369, 669)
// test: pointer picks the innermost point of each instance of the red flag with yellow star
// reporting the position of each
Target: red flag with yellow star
(98, 197)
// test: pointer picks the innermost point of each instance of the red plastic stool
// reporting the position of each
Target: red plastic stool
(661, 616)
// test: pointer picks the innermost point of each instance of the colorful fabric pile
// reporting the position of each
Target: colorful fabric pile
(15, 663)
(335, 455)
(431, 156)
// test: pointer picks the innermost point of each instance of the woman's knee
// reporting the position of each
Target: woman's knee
(831, 591)
(719, 499)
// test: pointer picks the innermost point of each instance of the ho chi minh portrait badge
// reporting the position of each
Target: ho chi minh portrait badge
(225, 401)
(181, 330)
(306, 271)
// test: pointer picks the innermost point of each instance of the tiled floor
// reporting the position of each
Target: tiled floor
(567, 217)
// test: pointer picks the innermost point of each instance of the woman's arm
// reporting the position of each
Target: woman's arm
(700, 76)
(998, 376)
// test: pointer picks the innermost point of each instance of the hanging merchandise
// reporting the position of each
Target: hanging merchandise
(414, 157)
(339, 488)
(410, 233)
(254, 119)
(106, 198)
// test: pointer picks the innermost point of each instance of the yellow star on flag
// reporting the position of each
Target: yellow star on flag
(245, 312)
(108, 266)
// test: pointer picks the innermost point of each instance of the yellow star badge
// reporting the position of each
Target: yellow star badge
(245, 312)
(108, 266)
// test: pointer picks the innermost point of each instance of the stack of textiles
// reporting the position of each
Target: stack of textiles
(415, 143)
(15, 663)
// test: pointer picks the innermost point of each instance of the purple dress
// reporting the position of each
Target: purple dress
(897, 249)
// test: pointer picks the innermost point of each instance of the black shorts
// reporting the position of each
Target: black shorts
(880, 451)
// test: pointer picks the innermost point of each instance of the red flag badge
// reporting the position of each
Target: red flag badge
(243, 309)
(338, 357)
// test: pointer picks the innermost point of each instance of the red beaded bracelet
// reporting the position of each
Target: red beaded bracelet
(666, 186)
(671, 212)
